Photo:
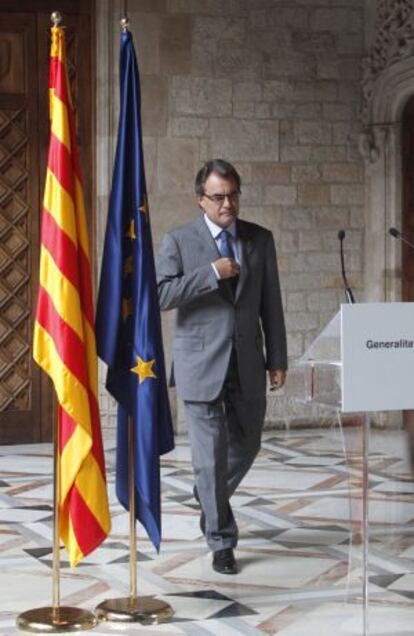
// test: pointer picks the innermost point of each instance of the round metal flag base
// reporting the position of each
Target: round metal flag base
(52, 620)
(144, 609)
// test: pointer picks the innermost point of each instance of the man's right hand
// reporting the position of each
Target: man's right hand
(227, 267)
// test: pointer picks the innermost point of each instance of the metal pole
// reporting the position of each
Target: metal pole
(56, 541)
(365, 520)
(132, 521)
(133, 609)
(56, 618)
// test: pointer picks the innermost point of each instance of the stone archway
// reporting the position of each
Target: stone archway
(388, 83)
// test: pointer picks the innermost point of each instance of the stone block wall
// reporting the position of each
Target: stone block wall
(272, 86)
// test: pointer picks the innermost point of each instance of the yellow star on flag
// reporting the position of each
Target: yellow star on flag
(128, 265)
(144, 369)
(131, 230)
(126, 308)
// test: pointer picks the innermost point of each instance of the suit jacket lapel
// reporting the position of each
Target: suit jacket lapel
(247, 246)
(210, 251)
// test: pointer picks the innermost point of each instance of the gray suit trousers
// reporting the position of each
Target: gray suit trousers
(225, 439)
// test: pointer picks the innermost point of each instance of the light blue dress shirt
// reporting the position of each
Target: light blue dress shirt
(215, 230)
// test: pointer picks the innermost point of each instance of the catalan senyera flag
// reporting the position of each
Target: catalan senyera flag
(64, 339)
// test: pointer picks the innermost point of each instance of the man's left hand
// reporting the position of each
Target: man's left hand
(277, 378)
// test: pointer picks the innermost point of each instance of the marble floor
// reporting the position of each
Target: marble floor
(300, 554)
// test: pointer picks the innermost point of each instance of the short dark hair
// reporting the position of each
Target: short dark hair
(220, 167)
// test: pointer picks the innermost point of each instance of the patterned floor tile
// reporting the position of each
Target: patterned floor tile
(300, 552)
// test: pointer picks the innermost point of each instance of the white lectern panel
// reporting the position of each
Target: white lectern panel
(377, 356)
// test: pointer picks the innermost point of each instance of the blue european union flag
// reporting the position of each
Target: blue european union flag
(128, 325)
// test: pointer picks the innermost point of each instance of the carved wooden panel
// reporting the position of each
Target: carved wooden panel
(26, 395)
(15, 259)
(12, 71)
(19, 228)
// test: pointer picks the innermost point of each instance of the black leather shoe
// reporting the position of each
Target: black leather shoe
(202, 515)
(224, 561)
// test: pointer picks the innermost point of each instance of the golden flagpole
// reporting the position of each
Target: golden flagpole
(133, 608)
(57, 618)
(56, 540)
(132, 517)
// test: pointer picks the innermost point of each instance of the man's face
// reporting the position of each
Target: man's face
(220, 209)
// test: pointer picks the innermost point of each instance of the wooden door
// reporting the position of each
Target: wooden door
(26, 396)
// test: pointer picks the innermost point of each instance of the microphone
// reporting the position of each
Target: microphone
(348, 291)
(397, 234)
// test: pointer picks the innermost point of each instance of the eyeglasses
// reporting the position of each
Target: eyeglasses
(219, 199)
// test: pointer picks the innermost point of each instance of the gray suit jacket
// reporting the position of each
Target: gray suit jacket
(211, 321)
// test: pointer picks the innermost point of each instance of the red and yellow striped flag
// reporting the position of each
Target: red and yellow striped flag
(64, 338)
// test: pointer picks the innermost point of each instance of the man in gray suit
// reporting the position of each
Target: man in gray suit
(220, 273)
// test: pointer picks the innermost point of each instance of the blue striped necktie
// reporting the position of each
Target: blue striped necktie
(227, 251)
(225, 244)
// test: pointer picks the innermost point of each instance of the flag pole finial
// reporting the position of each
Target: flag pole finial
(56, 18)
(124, 24)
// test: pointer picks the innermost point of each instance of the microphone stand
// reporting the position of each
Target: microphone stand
(348, 291)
